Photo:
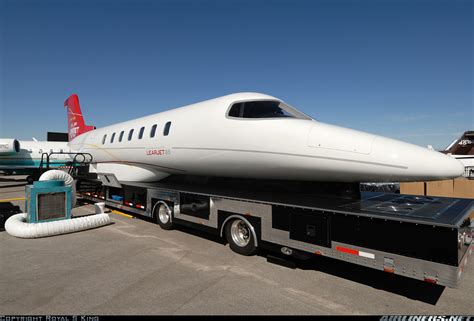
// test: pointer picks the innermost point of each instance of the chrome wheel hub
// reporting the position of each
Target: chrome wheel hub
(240, 233)
(163, 214)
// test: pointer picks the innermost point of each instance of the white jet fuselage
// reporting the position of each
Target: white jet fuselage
(203, 139)
(30, 153)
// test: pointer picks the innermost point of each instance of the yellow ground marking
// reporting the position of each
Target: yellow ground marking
(120, 213)
(12, 199)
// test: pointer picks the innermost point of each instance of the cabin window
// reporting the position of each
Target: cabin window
(140, 134)
(264, 109)
(130, 134)
(166, 131)
(121, 136)
(103, 139)
(236, 110)
(153, 131)
(112, 138)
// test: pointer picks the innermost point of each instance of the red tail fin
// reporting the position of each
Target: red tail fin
(75, 121)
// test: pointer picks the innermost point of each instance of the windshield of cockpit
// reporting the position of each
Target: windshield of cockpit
(264, 109)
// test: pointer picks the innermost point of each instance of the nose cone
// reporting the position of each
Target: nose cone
(415, 162)
(442, 166)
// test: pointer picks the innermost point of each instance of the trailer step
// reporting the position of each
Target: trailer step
(281, 261)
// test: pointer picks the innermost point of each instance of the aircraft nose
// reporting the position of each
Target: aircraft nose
(443, 166)
(417, 163)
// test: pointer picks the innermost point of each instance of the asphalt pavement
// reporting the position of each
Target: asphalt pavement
(134, 267)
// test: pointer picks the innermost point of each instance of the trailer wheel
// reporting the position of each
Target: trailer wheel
(30, 179)
(163, 216)
(240, 237)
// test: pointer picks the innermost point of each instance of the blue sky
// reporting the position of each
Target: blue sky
(402, 69)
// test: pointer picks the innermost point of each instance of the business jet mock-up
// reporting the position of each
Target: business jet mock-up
(249, 135)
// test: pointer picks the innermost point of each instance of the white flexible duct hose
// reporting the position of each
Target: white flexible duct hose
(57, 175)
(17, 226)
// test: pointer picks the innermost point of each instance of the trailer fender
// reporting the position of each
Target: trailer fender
(230, 218)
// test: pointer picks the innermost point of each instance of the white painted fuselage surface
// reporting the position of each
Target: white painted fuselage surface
(30, 154)
(204, 140)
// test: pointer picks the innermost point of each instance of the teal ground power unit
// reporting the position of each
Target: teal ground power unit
(48, 201)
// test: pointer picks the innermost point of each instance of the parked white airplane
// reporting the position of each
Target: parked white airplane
(24, 157)
(250, 135)
(463, 150)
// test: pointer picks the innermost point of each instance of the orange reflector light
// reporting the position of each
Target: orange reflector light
(430, 280)
(388, 270)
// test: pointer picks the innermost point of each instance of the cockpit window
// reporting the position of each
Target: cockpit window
(264, 109)
(236, 109)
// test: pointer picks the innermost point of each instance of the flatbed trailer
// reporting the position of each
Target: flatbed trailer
(425, 238)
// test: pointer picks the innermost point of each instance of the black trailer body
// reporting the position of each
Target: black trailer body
(425, 238)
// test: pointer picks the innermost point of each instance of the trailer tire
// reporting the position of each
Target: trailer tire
(30, 179)
(163, 216)
(240, 237)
